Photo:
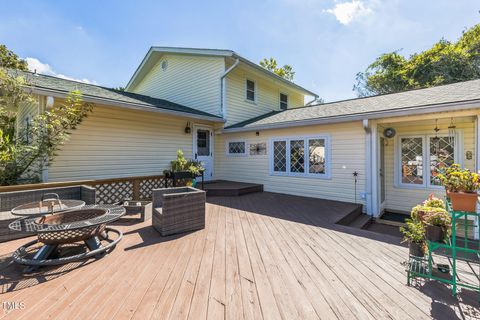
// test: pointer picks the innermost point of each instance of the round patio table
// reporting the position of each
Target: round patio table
(53, 235)
(43, 207)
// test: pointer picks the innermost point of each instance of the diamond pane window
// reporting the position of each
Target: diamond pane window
(442, 155)
(412, 160)
(236, 147)
(297, 156)
(280, 156)
(316, 156)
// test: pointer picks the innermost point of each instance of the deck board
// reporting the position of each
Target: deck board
(261, 256)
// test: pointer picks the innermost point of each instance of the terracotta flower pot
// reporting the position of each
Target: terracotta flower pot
(416, 249)
(464, 201)
(434, 233)
(448, 193)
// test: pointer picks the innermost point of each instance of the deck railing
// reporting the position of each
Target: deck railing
(108, 190)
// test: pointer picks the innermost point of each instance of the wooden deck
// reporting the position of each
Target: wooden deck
(261, 256)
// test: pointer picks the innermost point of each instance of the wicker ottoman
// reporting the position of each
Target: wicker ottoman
(178, 210)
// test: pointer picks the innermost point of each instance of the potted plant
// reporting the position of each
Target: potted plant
(462, 186)
(419, 211)
(437, 224)
(181, 168)
(414, 234)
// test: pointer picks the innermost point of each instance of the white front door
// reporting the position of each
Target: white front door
(203, 149)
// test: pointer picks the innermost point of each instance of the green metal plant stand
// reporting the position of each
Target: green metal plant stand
(464, 250)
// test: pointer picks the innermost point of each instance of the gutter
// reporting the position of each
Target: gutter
(223, 89)
(455, 106)
(124, 104)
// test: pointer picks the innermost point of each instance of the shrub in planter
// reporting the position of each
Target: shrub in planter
(414, 234)
(437, 224)
(181, 168)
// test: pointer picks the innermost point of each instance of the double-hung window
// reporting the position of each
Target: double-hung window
(421, 158)
(283, 101)
(250, 90)
(300, 156)
(236, 148)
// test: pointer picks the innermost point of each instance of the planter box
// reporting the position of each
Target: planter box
(416, 249)
(434, 233)
(178, 210)
(463, 201)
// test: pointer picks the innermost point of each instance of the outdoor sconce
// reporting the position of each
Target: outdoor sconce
(257, 133)
(188, 129)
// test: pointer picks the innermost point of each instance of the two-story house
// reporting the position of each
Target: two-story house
(247, 124)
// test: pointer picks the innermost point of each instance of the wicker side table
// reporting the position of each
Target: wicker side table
(178, 210)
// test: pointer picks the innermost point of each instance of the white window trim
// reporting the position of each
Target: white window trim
(458, 158)
(227, 149)
(280, 100)
(306, 174)
(255, 91)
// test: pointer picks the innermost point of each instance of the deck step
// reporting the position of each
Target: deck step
(361, 222)
(352, 216)
(231, 188)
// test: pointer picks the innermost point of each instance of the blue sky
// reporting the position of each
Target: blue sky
(327, 42)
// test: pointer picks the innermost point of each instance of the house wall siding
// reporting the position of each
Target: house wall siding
(347, 142)
(114, 142)
(267, 95)
(193, 81)
(403, 198)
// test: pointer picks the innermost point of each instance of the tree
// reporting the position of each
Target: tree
(23, 153)
(271, 65)
(8, 59)
(445, 62)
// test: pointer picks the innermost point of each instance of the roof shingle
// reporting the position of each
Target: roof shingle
(88, 90)
(456, 92)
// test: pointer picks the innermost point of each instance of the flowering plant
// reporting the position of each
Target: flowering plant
(456, 179)
(437, 217)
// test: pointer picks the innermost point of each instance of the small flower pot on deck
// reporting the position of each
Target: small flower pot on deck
(416, 249)
(464, 201)
(433, 233)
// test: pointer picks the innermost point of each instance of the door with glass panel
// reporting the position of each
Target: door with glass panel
(203, 149)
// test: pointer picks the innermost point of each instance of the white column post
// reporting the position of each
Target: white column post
(374, 165)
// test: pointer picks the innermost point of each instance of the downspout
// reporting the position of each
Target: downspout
(315, 97)
(223, 102)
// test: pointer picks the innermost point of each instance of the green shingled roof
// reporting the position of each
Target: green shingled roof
(88, 90)
(452, 93)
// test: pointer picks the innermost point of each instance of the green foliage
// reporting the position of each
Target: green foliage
(182, 164)
(24, 152)
(446, 62)
(8, 59)
(285, 72)
(437, 217)
(414, 231)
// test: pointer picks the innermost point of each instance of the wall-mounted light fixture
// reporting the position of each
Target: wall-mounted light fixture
(188, 129)
(257, 133)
